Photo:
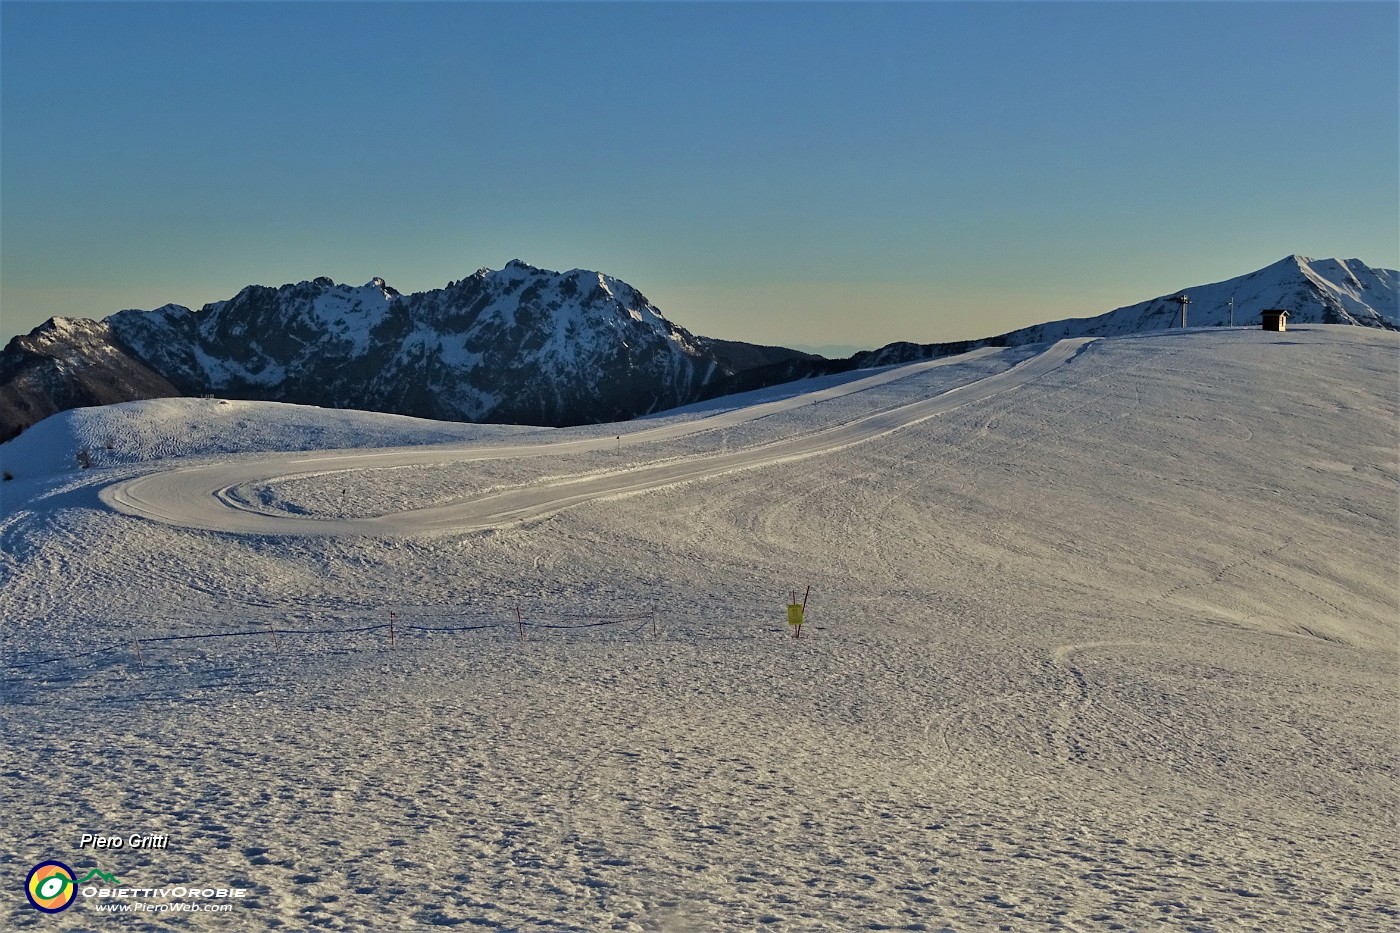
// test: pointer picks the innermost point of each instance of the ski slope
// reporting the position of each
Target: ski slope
(1100, 637)
(207, 496)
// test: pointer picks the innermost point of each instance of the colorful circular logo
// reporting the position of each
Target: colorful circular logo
(50, 887)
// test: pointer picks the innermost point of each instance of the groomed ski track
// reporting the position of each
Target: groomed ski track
(204, 497)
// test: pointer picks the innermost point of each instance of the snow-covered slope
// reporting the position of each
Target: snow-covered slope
(147, 432)
(1114, 646)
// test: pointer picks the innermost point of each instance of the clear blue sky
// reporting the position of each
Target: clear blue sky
(792, 173)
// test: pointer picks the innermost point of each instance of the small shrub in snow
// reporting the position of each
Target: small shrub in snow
(9, 476)
(84, 458)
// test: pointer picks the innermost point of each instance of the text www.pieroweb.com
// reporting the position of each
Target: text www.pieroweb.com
(124, 907)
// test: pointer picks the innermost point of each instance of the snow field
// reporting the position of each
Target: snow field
(1115, 649)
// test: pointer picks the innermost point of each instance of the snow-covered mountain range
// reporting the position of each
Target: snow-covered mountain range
(1313, 291)
(516, 345)
(532, 346)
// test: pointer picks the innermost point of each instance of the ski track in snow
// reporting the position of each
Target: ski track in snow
(1115, 650)
(204, 497)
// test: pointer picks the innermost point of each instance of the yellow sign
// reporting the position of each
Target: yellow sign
(794, 614)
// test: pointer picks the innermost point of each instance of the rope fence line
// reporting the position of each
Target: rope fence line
(19, 668)
(616, 621)
(453, 628)
(69, 657)
(552, 623)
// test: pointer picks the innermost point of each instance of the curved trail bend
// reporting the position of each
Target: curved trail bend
(198, 497)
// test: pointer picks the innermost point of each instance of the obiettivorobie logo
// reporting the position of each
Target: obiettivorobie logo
(51, 887)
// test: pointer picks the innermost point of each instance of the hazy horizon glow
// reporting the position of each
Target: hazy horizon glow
(781, 173)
